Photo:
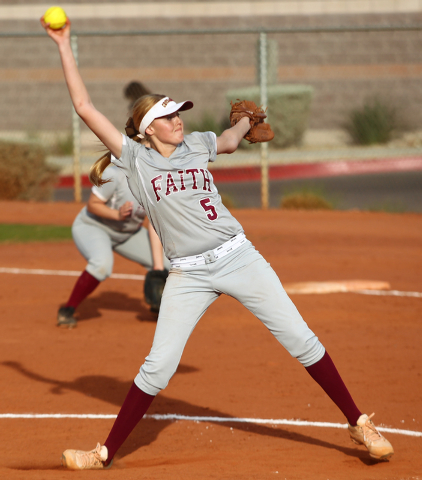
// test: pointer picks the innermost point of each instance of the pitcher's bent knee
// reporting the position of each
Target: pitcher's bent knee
(100, 272)
(153, 378)
(313, 355)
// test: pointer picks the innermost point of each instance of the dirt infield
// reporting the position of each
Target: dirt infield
(232, 367)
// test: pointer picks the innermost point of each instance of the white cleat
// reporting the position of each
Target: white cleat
(366, 434)
(80, 460)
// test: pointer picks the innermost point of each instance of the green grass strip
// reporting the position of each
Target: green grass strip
(13, 233)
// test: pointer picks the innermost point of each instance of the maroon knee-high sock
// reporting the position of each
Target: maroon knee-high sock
(133, 409)
(85, 285)
(325, 373)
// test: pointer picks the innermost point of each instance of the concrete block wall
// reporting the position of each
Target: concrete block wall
(344, 68)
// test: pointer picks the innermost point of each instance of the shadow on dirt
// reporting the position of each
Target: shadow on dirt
(91, 308)
(114, 391)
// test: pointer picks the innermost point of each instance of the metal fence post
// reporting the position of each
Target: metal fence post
(76, 136)
(264, 100)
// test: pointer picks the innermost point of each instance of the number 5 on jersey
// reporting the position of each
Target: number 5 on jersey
(210, 209)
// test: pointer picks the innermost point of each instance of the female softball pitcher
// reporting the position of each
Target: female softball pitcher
(208, 252)
(112, 221)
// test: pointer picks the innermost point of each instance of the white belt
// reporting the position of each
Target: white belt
(210, 256)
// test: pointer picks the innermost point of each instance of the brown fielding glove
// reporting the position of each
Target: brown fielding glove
(259, 131)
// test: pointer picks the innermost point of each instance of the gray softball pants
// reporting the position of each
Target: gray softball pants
(244, 275)
(96, 243)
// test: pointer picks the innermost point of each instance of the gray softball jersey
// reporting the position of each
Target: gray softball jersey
(115, 194)
(179, 195)
(182, 202)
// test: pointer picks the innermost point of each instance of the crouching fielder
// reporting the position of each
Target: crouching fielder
(207, 248)
(112, 221)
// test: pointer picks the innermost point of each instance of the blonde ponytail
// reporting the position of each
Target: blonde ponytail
(96, 171)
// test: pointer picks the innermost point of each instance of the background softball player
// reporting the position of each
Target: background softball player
(134, 90)
(209, 253)
(111, 222)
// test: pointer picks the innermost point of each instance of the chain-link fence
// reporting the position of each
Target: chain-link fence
(310, 78)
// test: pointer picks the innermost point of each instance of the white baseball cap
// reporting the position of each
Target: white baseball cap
(165, 106)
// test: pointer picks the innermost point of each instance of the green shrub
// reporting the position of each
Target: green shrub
(227, 200)
(305, 201)
(24, 173)
(375, 122)
(208, 123)
(63, 145)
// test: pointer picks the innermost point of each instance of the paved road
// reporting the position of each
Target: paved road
(394, 192)
(398, 191)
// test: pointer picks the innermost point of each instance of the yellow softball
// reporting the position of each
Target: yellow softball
(56, 17)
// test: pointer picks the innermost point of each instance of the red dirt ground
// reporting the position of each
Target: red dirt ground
(231, 366)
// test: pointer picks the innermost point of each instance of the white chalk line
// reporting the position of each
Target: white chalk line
(66, 273)
(171, 416)
(394, 293)
(125, 276)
